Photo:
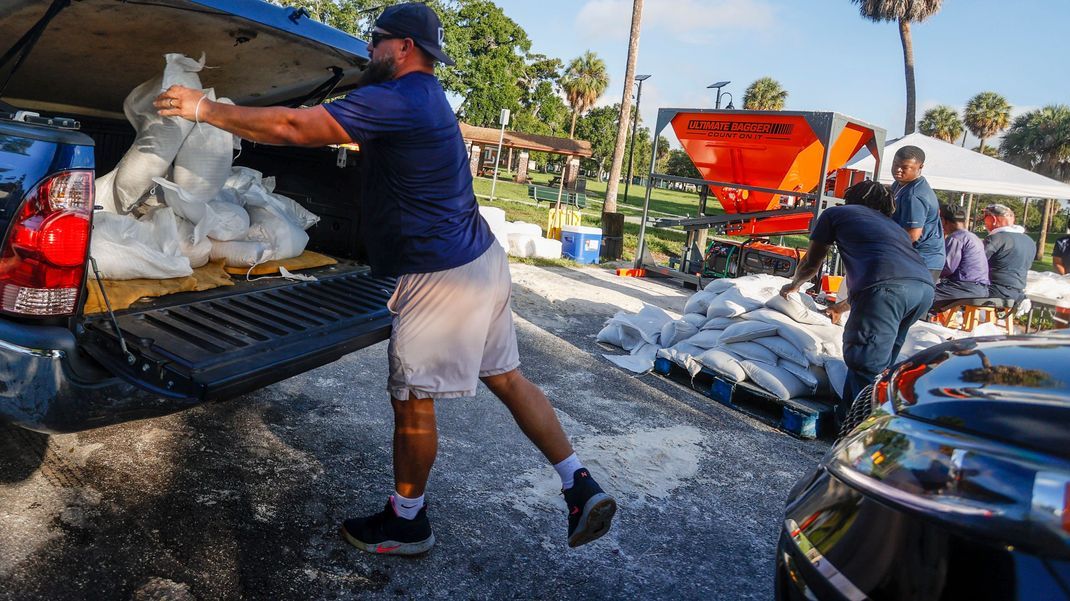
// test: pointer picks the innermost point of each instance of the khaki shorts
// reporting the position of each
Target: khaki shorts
(451, 328)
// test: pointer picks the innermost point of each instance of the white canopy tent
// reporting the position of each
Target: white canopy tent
(954, 168)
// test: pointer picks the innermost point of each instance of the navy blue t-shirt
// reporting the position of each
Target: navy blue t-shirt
(418, 209)
(916, 206)
(874, 248)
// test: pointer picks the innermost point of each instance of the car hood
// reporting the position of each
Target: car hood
(1014, 388)
(94, 52)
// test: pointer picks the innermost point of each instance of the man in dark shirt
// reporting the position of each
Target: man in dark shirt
(916, 208)
(1060, 255)
(1010, 253)
(452, 318)
(890, 286)
(965, 272)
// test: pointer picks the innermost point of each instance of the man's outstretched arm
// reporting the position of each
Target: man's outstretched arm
(267, 125)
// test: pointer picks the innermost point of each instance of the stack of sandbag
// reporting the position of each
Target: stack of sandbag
(220, 211)
(525, 240)
(125, 248)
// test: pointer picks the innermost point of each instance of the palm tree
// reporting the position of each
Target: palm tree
(941, 122)
(584, 82)
(610, 204)
(1040, 140)
(765, 94)
(987, 114)
(905, 12)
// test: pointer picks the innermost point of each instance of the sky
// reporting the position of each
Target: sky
(825, 55)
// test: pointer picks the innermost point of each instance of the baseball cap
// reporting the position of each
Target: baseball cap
(419, 22)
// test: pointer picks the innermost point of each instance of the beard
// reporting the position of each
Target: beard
(378, 71)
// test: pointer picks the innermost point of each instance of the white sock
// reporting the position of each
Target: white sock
(566, 469)
(405, 507)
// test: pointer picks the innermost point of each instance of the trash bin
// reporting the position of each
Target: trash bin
(580, 243)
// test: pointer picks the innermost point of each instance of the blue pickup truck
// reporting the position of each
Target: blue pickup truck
(62, 85)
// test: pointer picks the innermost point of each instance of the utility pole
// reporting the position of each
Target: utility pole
(504, 120)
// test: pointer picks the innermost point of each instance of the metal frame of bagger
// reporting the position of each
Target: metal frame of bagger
(827, 126)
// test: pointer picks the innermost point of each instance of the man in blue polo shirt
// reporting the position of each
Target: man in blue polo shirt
(453, 323)
(916, 208)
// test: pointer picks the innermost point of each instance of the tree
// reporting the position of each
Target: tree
(765, 94)
(989, 151)
(943, 123)
(680, 165)
(623, 123)
(598, 127)
(986, 115)
(1040, 141)
(904, 12)
(584, 82)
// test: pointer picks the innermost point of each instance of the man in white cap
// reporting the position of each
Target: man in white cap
(453, 323)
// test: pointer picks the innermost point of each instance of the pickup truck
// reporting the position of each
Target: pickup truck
(62, 85)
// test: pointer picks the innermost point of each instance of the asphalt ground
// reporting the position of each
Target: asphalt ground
(243, 499)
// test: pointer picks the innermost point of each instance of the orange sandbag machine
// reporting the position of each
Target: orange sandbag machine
(770, 170)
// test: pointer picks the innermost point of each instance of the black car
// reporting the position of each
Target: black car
(952, 482)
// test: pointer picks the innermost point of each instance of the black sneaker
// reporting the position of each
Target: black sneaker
(590, 509)
(389, 534)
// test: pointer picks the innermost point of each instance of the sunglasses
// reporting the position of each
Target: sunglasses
(378, 38)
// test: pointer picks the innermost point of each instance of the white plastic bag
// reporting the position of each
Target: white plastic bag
(718, 323)
(752, 351)
(706, 338)
(241, 253)
(104, 193)
(805, 375)
(229, 221)
(203, 162)
(125, 248)
(285, 238)
(800, 307)
(700, 301)
(198, 253)
(683, 354)
(747, 330)
(158, 138)
(784, 349)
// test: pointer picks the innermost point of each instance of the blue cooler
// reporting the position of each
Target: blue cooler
(581, 244)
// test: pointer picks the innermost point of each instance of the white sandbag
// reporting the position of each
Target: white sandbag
(776, 381)
(521, 245)
(706, 338)
(231, 221)
(699, 302)
(239, 184)
(799, 307)
(695, 319)
(719, 323)
(731, 303)
(837, 375)
(724, 363)
(747, 330)
(104, 193)
(923, 335)
(240, 253)
(259, 194)
(784, 349)
(546, 248)
(125, 248)
(198, 253)
(203, 162)
(805, 375)
(752, 351)
(525, 228)
(628, 330)
(719, 285)
(195, 211)
(676, 331)
(501, 236)
(158, 138)
(284, 238)
(803, 337)
(640, 361)
(683, 354)
(494, 216)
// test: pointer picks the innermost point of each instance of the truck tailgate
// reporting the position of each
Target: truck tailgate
(223, 346)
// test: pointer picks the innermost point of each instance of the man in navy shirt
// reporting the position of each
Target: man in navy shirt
(1060, 255)
(452, 318)
(916, 208)
(890, 286)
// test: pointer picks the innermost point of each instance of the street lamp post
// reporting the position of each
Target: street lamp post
(504, 120)
(635, 125)
(717, 86)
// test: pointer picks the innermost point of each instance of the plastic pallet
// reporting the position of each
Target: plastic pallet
(806, 419)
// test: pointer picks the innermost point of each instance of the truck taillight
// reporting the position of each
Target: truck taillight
(42, 264)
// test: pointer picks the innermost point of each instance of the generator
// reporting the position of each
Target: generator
(728, 258)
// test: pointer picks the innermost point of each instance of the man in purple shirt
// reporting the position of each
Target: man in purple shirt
(965, 273)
